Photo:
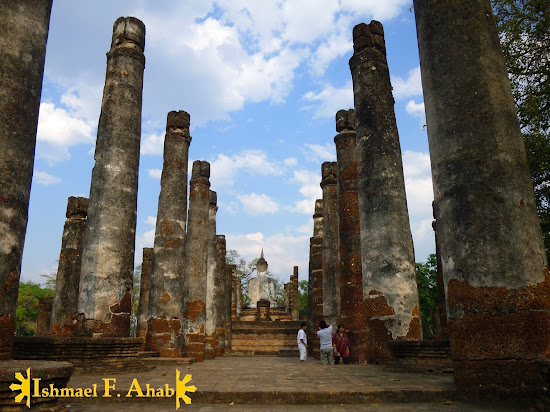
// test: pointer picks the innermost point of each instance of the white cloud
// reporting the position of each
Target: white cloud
(153, 144)
(224, 169)
(43, 178)
(57, 127)
(320, 153)
(310, 190)
(151, 220)
(290, 161)
(379, 10)
(155, 173)
(255, 204)
(416, 110)
(409, 87)
(329, 100)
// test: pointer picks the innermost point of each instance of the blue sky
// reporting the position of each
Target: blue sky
(262, 81)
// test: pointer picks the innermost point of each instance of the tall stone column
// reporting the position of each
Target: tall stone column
(213, 283)
(44, 316)
(286, 298)
(331, 269)
(219, 299)
(229, 269)
(294, 295)
(389, 276)
(23, 35)
(441, 323)
(144, 299)
(166, 305)
(352, 313)
(234, 293)
(65, 303)
(196, 255)
(494, 265)
(316, 278)
(105, 296)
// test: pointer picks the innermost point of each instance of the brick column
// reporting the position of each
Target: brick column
(294, 295)
(441, 319)
(65, 303)
(23, 36)
(144, 299)
(389, 273)
(286, 298)
(166, 305)
(234, 285)
(316, 277)
(196, 255)
(105, 295)
(331, 269)
(44, 316)
(494, 265)
(219, 301)
(228, 298)
(212, 282)
(352, 312)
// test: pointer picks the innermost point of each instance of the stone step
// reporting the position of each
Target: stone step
(158, 361)
(149, 354)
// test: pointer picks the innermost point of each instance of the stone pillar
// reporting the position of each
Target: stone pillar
(234, 285)
(44, 316)
(219, 301)
(166, 305)
(228, 298)
(105, 296)
(316, 277)
(65, 303)
(389, 276)
(441, 323)
(23, 35)
(286, 298)
(352, 313)
(294, 295)
(196, 255)
(144, 299)
(213, 283)
(494, 264)
(239, 298)
(331, 275)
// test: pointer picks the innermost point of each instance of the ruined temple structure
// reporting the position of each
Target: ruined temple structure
(492, 255)
(144, 295)
(387, 255)
(315, 281)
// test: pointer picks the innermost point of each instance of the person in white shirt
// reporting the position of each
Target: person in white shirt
(325, 338)
(302, 342)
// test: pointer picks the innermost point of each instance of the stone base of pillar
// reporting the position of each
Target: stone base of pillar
(55, 373)
(219, 349)
(420, 356)
(210, 345)
(141, 332)
(165, 337)
(64, 329)
(194, 347)
(498, 379)
(88, 355)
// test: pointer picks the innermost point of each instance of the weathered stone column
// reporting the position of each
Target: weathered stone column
(240, 298)
(228, 298)
(316, 278)
(144, 298)
(166, 305)
(389, 277)
(23, 35)
(331, 275)
(213, 283)
(286, 298)
(441, 323)
(352, 312)
(44, 316)
(294, 295)
(494, 265)
(196, 255)
(234, 291)
(105, 296)
(219, 301)
(65, 303)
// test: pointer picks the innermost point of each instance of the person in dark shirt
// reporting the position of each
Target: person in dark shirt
(341, 342)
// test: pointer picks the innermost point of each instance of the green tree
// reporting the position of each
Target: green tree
(426, 277)
(524, 29)
(27, 307)
(303, 293)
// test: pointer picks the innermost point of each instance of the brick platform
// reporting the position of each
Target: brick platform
(420, 356)
(88, 355)
(56, 373)
(263, 337)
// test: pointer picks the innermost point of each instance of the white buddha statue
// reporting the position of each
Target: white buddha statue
(262, 286)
